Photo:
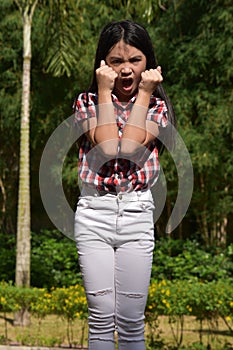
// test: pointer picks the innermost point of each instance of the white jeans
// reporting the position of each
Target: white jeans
(115, 242)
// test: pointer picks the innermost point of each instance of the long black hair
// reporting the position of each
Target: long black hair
(135, 35)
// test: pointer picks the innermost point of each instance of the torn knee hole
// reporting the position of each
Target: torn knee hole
(133, 295)
(101, 292)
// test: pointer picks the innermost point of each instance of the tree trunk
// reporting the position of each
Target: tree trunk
(203, 216)
(22, 278)
(3, 209)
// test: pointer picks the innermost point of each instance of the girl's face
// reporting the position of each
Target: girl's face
(128, 62)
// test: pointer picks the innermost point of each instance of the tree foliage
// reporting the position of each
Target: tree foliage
(195, 50)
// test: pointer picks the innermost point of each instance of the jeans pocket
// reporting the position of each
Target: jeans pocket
(139, 206)
(83, 203)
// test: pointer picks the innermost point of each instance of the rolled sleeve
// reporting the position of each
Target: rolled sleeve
(83, 108)
(158, 112)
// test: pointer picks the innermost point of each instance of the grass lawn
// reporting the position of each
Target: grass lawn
(53, 331)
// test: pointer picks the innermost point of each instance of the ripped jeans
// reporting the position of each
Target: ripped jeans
(115, 241)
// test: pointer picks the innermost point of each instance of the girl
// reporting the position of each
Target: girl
(121, 115)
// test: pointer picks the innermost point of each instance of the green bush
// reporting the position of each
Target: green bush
(8, 298)
(191, 298)
(54, 259)
(7, 257)
(176, 259)
(60, 260)
(173, 259)
(176, 299)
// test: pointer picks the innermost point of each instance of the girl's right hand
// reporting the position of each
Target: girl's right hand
(105, 77)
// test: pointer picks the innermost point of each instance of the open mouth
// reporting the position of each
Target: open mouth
(127, 83)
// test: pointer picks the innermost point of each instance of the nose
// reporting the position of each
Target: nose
(126, 70)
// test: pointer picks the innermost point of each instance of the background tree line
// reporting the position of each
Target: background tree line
(193, 44)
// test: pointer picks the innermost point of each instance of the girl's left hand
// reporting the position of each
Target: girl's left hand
(150, 79)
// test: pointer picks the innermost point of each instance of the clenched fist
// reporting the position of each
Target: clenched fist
(105, 77)
(150, 79)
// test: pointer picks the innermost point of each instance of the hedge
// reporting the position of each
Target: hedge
(174, 299)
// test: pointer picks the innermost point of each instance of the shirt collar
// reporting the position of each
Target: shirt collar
(120, 104)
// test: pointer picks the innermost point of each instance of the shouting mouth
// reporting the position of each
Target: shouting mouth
(127, 83)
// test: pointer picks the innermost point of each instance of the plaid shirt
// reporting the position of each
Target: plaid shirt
(139, 171)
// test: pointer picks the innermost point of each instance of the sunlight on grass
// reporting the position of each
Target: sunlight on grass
(52, 331)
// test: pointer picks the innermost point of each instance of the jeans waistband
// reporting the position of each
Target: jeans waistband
(91, 191)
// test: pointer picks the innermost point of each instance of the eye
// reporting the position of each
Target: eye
(135, 59)
(116, 62)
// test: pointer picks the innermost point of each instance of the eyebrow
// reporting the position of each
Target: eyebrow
(120, 57)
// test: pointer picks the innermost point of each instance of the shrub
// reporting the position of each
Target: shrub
(176, 259)
(176, 299)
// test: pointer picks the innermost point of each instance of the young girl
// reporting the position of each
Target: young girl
(121, 115)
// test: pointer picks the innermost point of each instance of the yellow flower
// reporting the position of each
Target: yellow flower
(3, 300)
(228, 318)
(189, 308)
(47, 295)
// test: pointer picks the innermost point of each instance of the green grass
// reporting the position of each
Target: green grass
(50, 332)
(212, 336)
(53, 332)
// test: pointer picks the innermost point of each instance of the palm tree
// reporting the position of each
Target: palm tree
(24, 213)
(60, 58)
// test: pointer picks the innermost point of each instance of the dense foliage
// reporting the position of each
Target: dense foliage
(187, 260)
(54, 261)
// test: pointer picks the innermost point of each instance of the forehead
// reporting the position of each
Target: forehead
(124, 50)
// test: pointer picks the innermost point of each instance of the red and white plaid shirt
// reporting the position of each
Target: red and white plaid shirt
(138, 172)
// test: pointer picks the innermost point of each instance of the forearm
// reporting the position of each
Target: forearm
(135, 131)
(106, 130)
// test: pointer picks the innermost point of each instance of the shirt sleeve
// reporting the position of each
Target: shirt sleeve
(157, 112)
(84, 107)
